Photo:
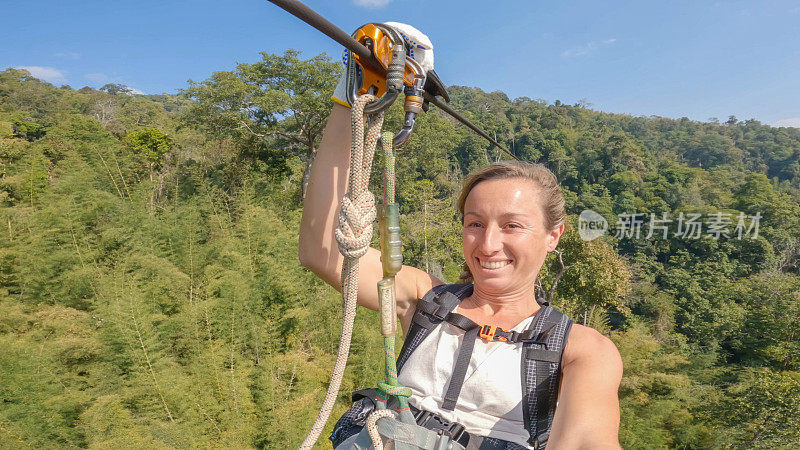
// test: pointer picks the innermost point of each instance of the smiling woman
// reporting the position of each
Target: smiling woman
(464, 369)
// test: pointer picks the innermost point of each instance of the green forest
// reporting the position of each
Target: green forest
(151, 294)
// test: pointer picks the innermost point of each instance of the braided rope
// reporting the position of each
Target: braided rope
(354, 233)
(372, 427)
(391, 386)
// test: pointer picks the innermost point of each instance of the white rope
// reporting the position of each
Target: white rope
(372, 426)
(354, 233)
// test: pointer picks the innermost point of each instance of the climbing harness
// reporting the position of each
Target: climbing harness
(542, 346)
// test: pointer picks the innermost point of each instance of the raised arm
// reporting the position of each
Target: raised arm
(319, 251)
(587, 415)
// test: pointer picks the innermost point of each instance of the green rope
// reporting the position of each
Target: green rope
(390, 385)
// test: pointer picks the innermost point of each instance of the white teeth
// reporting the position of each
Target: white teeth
(494, 264)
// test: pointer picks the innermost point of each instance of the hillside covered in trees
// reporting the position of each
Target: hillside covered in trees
(151, 297)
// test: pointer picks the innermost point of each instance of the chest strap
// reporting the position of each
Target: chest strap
(493, 333)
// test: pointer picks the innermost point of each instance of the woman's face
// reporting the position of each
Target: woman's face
(504, 238)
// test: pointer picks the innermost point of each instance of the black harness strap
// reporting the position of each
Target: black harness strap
(463, 322)
(540, 367)
(460, 369)
(471, 330)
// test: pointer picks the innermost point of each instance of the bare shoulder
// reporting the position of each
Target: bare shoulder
(586, 345)
(412, 284)
(588, 403)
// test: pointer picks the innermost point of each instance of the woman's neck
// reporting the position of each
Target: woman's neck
(505, 310)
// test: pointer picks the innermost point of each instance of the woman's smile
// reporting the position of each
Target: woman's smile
(493, 265)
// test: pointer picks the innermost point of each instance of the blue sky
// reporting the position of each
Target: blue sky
(698, 59)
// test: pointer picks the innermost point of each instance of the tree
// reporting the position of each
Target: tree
(657, 395)
(26, 127)
(769, 331)
(116, 89)
(430, 239)
(281, 97)
(583, 274)
(21, 92)
(761, 411)
(150, 145)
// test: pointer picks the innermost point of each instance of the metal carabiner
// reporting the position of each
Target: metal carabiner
(413, 103)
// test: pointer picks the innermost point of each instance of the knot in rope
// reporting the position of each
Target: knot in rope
(391, 385)
(354, 232)
(397, 390)
(357, 209)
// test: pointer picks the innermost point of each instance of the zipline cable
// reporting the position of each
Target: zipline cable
(435, 101)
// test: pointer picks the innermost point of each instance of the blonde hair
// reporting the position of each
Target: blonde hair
(551, 200)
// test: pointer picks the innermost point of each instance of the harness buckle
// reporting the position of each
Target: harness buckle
(454, 431)
(487, 332)
(421, 416)
(457, 431)
(494, 333)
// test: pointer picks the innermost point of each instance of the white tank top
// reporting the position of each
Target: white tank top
(490, 402)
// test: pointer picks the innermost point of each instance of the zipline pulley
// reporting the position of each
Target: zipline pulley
(397, 72)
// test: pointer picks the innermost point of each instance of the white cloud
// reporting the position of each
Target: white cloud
(67, 55)
(48, 74)
(788, 122)
(587, 48)
(136, 91)
(371, 3)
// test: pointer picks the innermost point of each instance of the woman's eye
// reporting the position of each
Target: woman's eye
(513, 225)
(474, 225)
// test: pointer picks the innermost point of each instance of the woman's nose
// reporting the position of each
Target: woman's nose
(492, 240)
